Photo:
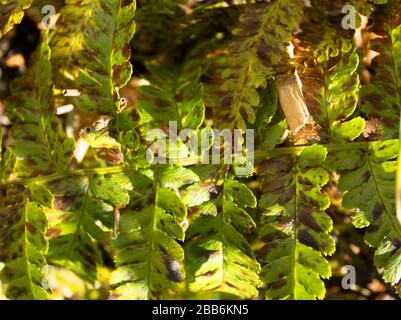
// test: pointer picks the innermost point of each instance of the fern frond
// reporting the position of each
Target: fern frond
(323, 37)
(11, 13)
(329, 73)
(255, 56)
(91, 51)
(331, 93)
(369, 179)
(38, 143)
(23, 244)
(219, 258)
(78, 203)
(149, 256)
(295, 229)
(381, 98)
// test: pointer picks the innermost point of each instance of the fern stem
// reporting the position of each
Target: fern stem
(259, 155)
(331, 147)
(66, 174)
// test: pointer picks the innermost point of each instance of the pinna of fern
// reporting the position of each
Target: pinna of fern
(377, 175)
(255, 57)
(295, 229)
(22, 209)
(95, 59)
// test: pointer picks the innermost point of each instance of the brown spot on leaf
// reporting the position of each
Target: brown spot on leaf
(366, 176)
(215, 191)
(193, 210)
(226, 101)
(31, 228)
(231, 285)
(307, 239)
(304, 181)
(53, 232)
(396, 243)
(263, 252)
(372, 228)
(279, 284)
(378, 210)
(275, 165)
(305, 216)
(272, 236)
(62, 203)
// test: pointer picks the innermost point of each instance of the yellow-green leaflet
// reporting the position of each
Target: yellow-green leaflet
(98, 138)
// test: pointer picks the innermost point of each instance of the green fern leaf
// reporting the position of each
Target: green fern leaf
(23, 244)
(172, 108)
(11, 13)
(219, 257)
(382, 97)
(171, 98)
(295, 229)
(73, 231)
(369, 180)
(38, 142)
(255, 56)
(330, 85)
(149, 257)
(96, 60)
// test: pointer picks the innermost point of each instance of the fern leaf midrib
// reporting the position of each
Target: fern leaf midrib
(259, 155)
(240, 94)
